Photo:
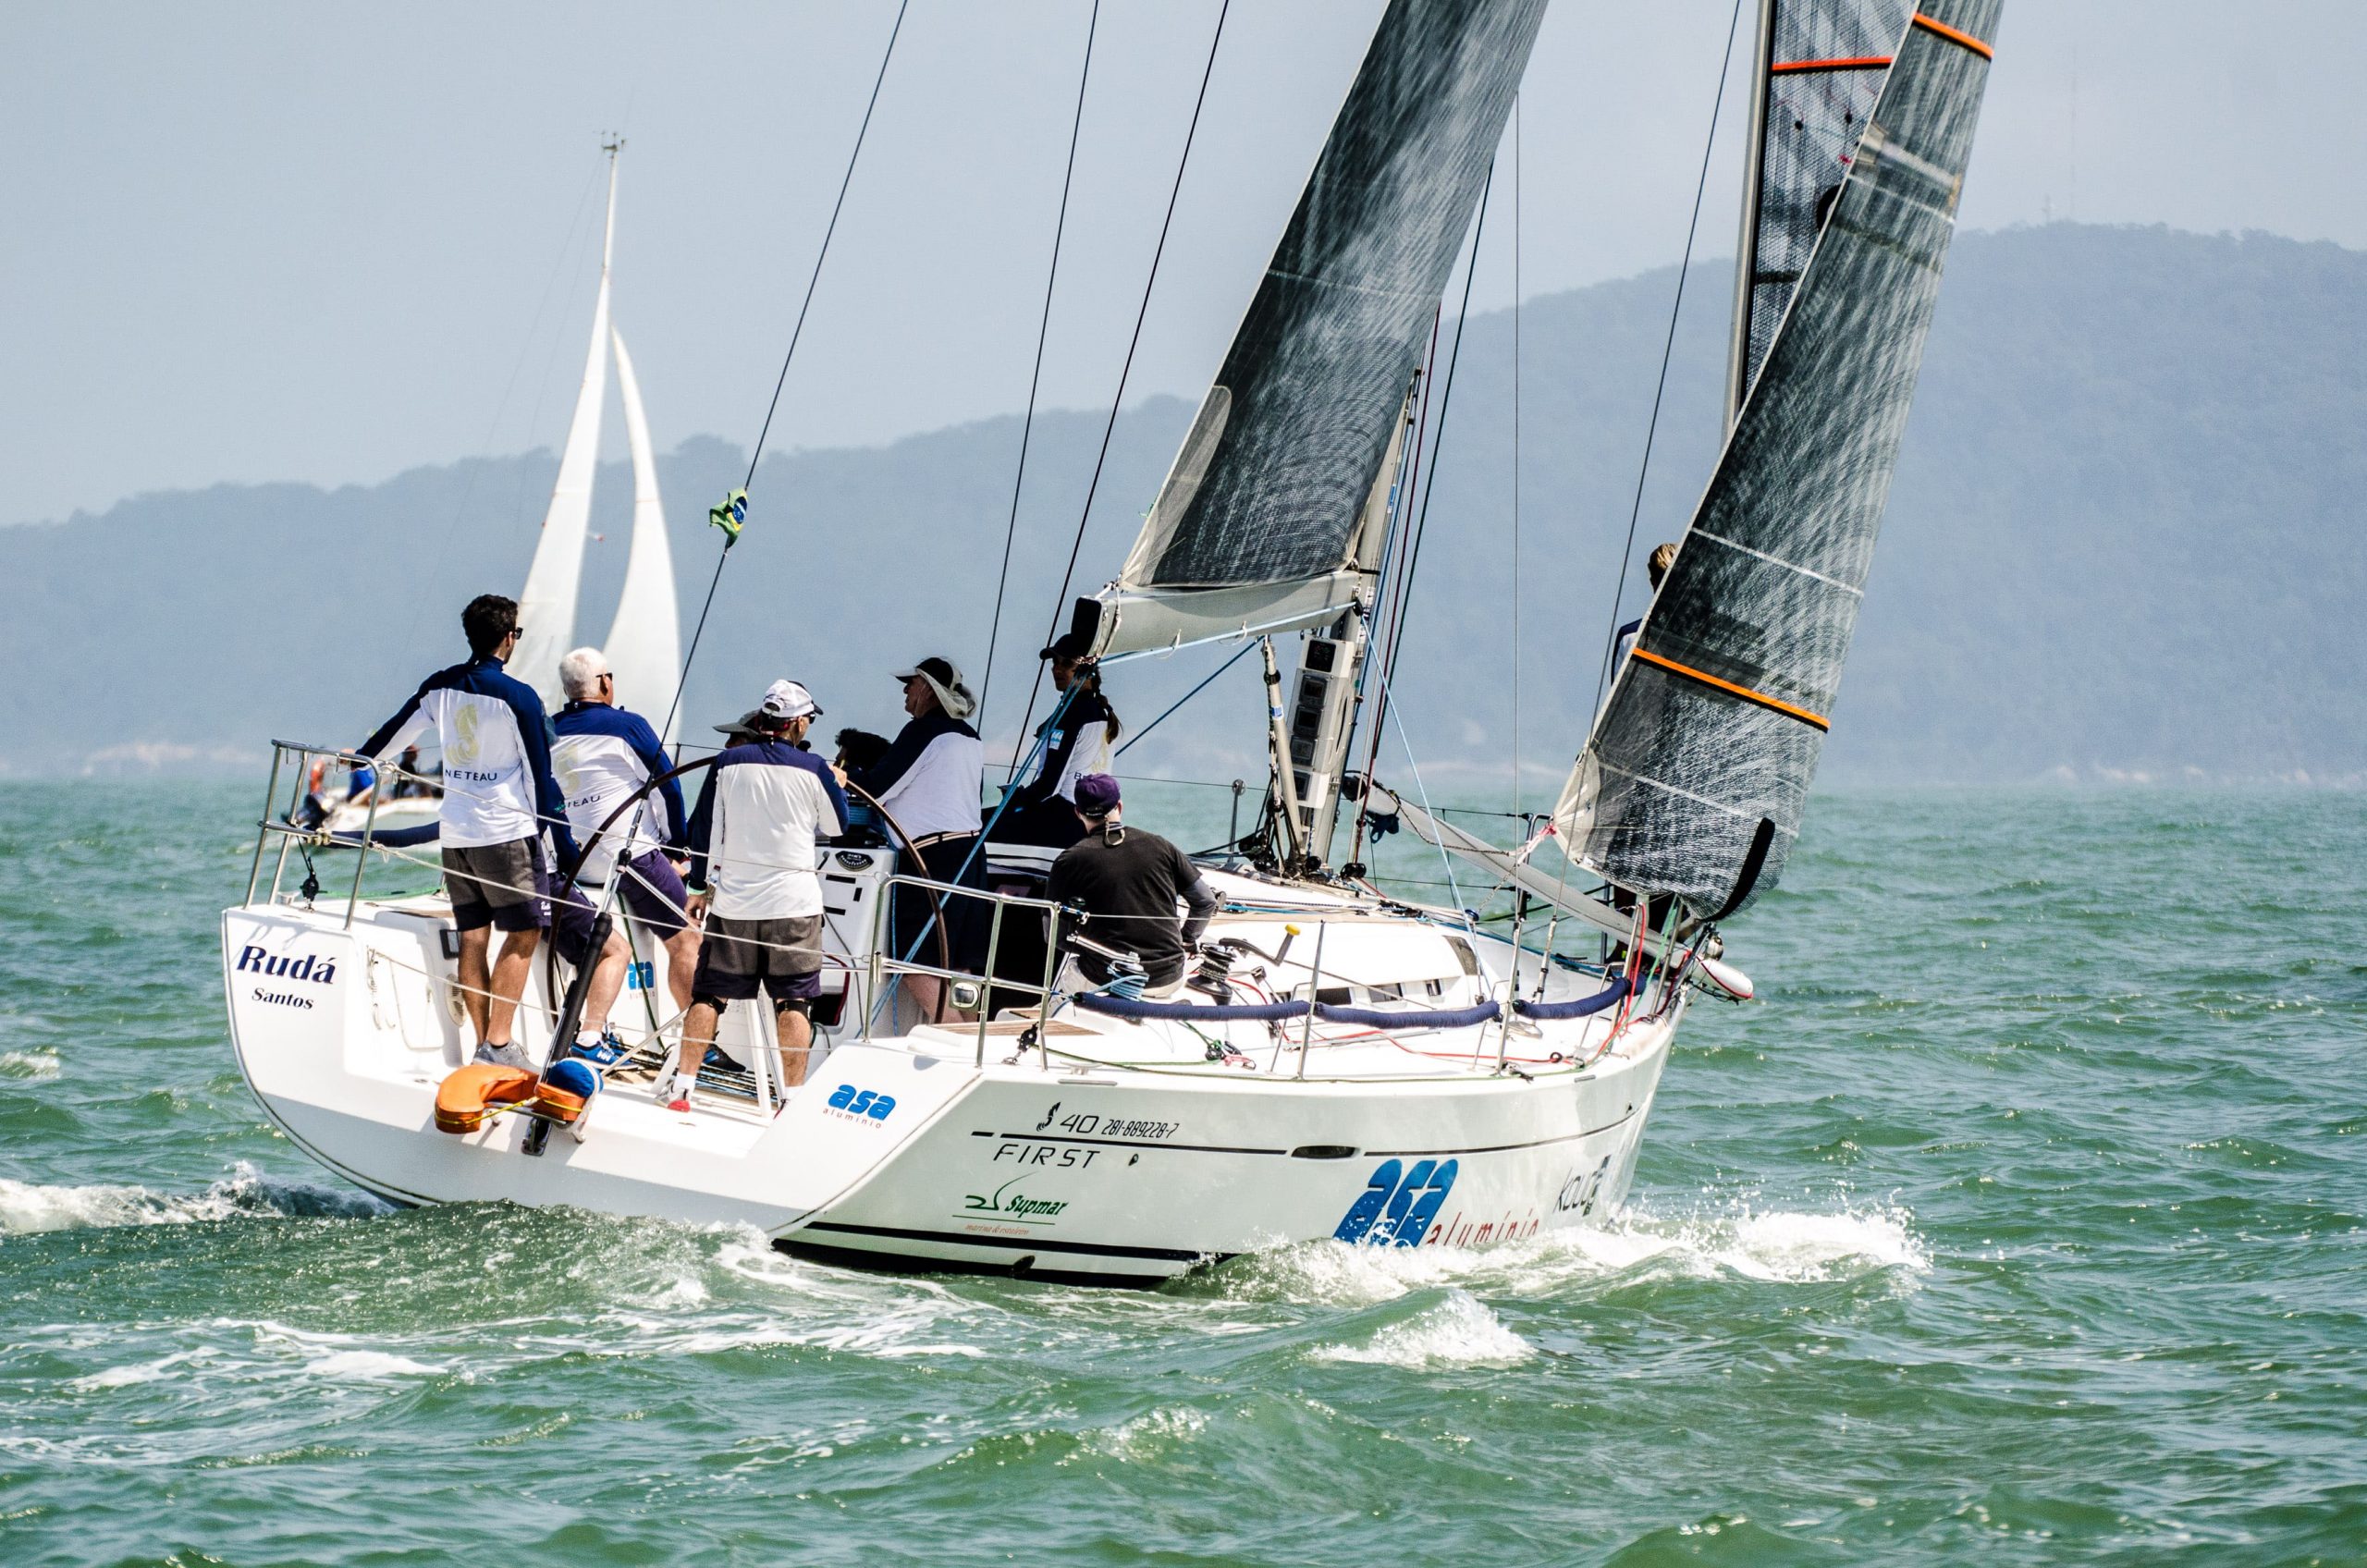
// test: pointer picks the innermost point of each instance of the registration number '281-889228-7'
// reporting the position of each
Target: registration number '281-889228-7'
(1398, 1206)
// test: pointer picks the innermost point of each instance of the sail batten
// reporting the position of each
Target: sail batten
(1694, 780)
(1269, 486)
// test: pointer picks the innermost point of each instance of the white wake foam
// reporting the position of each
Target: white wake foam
(1458, 1331)
(38, 1066)
(1780, 1246)
(27, 1206)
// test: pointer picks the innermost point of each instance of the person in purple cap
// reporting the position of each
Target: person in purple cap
(1130, 882)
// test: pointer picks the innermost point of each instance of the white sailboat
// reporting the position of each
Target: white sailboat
(644, 642)
(1345, 1063)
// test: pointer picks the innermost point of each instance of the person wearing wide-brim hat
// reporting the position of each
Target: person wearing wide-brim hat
(929, 785)
(1074, 741)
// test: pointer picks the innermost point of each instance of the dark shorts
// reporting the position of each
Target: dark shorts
(572, 915)
(653, 892)
(505, 886)
(738, 956)
(912, 933)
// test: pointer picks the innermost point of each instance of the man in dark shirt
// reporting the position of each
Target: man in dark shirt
(1128, 881)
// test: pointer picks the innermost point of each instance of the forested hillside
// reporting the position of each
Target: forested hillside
(2124, 539)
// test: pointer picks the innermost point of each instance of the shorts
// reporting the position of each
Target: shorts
(505, 886)
(912, 930)
(784, 956)
(571, 918)
(653, 891)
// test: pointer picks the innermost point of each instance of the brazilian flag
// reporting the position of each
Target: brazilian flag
(730, 517)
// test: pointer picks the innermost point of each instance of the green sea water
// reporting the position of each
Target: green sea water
(2019, 1222)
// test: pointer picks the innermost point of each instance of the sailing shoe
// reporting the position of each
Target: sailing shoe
(504, 1056)
(605, 1051)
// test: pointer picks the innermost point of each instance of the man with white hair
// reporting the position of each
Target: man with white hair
(604, 756)
(753, 861)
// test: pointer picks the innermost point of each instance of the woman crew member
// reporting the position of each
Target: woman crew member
(1077, 738)
(928, 784)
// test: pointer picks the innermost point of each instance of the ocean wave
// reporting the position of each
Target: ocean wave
(1458, 1331)
(1150, 1435)
(39, 1067)
(27, 1207)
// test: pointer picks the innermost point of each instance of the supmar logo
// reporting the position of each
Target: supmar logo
(1013, 1207)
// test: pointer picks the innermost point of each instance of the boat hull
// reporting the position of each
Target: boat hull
(923, 1151)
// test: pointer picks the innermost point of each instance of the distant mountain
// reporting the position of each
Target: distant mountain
(2125, 539)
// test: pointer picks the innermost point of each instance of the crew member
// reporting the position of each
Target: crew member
(1128, 881)
(1663, 557)
(929, 785)
(1075, 740)
(752, 875)
(500, 799)
(603, 756)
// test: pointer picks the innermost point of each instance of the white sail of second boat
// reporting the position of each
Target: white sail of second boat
(644, 645)
(644, 642)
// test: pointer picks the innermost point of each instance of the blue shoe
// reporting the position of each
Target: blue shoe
(605, 1051)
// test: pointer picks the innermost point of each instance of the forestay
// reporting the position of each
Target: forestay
(1820, 69)
(1255, 525)
(1693, 780)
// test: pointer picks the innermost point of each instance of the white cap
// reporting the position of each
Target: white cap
(787, 699)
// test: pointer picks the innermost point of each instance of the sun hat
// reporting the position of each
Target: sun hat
(944, 678)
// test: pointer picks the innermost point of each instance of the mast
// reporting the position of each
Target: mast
(546, 606)
(1746, 244)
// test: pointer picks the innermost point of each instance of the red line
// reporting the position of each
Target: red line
(1955, 36)
(1859, 63)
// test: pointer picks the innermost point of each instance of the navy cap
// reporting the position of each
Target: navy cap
(1096, 793)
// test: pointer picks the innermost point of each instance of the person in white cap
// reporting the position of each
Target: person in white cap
(752, 860)
(928, 784)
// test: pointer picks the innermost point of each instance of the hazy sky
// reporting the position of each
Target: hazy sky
(326, 243)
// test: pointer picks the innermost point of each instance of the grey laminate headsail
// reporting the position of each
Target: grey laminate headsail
(1716, 720)
(1258, 515)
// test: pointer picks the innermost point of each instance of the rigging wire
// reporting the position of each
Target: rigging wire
(1516, 582)
(1035, 376)
(1186, 697)
(796, 331)
(1644, 469)
(1109, 428)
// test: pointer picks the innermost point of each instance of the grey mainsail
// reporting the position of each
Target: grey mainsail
(1820, 67)
(1693, 780)
(1255, 524)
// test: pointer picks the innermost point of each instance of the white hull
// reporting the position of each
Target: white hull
(1084, 1170)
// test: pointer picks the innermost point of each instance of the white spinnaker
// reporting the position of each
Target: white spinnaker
(546, 607)
(644, 642)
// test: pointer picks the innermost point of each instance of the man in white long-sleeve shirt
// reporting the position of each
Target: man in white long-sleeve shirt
(753, 861)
